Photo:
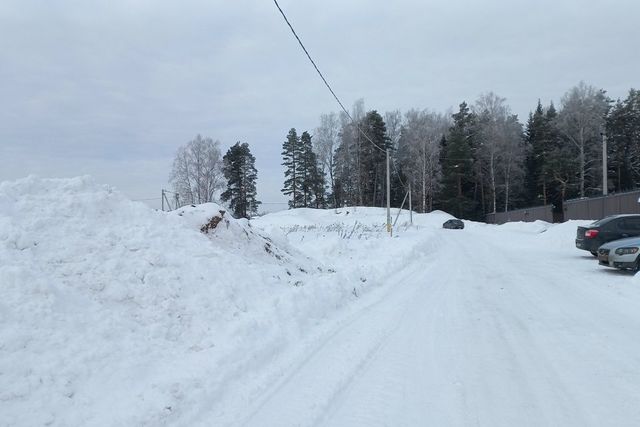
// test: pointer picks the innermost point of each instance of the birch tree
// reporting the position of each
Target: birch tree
(197, 170)
(419, 153)
(512, 157)
(325, 143)
(580, 122)
(500, 148)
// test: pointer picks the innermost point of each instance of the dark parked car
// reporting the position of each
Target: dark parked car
(613, 227)
(453, 224)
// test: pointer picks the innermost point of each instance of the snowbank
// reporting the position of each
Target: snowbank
(562, 235)
(534, 227)
(116, 314)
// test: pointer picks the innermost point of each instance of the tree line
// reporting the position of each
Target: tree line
(199, 172)
(477, 160)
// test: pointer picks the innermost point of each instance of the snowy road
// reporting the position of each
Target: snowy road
(487, 331)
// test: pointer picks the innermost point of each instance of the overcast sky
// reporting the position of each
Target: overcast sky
(113, 88)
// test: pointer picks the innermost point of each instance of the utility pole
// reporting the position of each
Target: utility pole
(389, 230)
(604, 164)
(162, 200)
(410, 207)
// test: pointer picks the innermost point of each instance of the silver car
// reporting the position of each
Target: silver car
(623, 254)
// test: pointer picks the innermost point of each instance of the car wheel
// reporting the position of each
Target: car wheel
(636, 267)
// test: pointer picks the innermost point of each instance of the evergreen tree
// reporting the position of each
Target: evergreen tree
(316, 178)
(623, 133)
(458, 187)
(535, 150)
(540, 142)
(307, 169)
(373, 167)
(291, 153)
(241, 175)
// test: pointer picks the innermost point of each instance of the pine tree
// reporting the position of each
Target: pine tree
(535, 150)
(306, 169)
(457, 193)
(241, 175)
(373, 161)
(318, 187)
(313, 180)
(550, 139)
(623, 133)
(291, 153)
(540, 139)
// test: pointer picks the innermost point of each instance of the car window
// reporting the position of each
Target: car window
(632, 224)
(600, 222)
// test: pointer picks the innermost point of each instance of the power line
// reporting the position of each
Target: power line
(323, 79)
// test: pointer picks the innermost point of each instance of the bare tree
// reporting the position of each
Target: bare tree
(512, 157)
(348, 181)
(419, 153)
(491, 111)
(580, 122)
(197, 170)
(326, 142)
(501, 146)
(393, 120)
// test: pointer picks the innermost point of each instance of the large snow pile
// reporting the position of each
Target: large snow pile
(115, 314)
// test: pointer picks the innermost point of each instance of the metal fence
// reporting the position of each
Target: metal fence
(543, 213)
(599, 207)
(591, 208)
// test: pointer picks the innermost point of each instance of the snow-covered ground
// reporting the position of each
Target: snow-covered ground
(114, 314)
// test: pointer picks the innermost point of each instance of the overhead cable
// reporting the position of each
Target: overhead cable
(323, 79)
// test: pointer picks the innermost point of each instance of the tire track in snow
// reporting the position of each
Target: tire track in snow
(309, 390)
(584, 346)
(496, 340)
(390, 367)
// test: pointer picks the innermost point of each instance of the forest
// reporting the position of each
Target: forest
(470, 162)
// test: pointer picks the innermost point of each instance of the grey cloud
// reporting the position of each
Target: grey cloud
(106, 83)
